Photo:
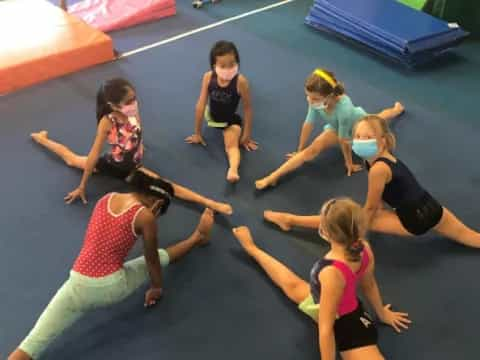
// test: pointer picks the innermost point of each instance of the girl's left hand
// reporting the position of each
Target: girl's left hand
(249, 144)
(353, 168)
(73, 195)
(397, 320)
(152, 296)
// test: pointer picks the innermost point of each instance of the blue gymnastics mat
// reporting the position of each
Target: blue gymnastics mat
(387, 27)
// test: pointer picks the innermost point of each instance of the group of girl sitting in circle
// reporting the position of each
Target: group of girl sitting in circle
(100, 275)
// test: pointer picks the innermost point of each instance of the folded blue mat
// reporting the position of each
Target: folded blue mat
(387, 27)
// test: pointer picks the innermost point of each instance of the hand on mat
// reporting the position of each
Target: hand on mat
(291, 154)
(72, 196)
(397, 320)
(353, 168)
(196, 139)
(249, 144)
(152, 296)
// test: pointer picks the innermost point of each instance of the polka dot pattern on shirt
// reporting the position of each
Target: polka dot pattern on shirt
(108, 240)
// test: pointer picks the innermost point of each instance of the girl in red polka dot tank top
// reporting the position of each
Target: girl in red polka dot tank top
(100, 276)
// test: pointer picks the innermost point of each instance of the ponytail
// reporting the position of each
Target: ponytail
(103, 107)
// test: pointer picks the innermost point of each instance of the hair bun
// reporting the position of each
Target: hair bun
(356, 247)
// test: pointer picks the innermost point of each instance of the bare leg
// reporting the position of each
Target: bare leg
(391, 113)
(450, 226)
(387, 222)
(68, 156)
(294, 287)
(286, 221)
(200, 236)
(325, 140)
(231, 137)
(188, 195)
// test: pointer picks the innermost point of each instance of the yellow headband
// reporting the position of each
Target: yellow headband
(326, 77)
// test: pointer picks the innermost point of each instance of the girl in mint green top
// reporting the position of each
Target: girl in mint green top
(341, 119)
(326, 101)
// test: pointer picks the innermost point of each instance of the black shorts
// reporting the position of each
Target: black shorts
(355, 330)
(235, 119)
(119, 171)
(420, 216)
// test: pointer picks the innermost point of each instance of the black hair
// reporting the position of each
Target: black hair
(221, 48)
(111, 91)
(145, 184)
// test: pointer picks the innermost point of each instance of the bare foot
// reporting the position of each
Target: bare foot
(40, 136)
(220, 207)
(399, 108)
(232, 176)
(265, 182)
(244, 237)
(278, 218)
(205, 225)
(19, 355)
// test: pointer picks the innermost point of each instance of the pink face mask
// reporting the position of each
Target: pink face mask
(130, 109)
(227, 74)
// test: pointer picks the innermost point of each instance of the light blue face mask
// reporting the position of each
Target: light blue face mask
(366, 149)
(320, 106)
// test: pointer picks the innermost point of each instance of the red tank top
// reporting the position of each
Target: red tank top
(108, 239)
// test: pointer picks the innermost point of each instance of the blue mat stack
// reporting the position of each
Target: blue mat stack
(388, 27)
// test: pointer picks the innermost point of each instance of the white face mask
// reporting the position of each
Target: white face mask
(317, 105)
(227, 74)
(130, 110)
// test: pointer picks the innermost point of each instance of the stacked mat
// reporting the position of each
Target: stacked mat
(109, 15)
(387, 27)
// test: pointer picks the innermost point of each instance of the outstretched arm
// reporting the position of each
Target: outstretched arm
(332, 284)
(147, 227)
(102, 132)
(370, 289)
(378, 176)
(197, 138)
(244, 90)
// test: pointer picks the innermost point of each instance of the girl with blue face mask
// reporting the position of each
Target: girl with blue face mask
(413, 211)
(327, 101)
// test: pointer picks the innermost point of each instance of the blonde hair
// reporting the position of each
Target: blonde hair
(345, 223)
(381, 128)
(323, 82)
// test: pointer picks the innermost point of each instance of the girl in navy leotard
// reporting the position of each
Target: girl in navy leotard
(119, 125)
(222, 89)
(330, 298)
(413, 210)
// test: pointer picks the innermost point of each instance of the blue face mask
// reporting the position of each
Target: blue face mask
(366, 149)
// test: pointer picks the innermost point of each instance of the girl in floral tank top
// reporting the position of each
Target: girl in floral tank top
(119, 125)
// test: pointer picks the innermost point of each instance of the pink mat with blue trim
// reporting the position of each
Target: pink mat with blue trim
(109, 15)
